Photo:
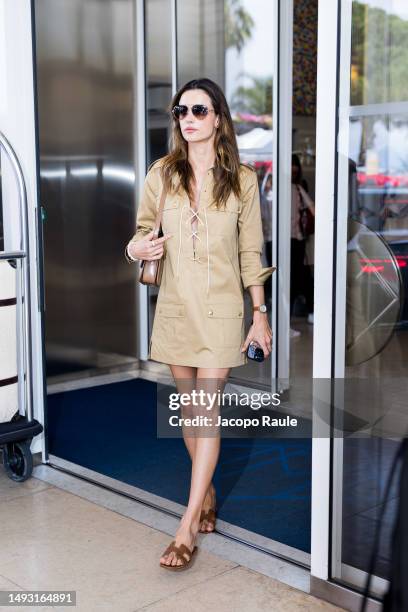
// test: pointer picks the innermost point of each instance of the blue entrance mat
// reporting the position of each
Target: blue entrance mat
(262, 485)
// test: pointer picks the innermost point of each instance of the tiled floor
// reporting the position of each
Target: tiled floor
(54, 539)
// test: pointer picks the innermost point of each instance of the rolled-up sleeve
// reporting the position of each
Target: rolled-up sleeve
(250, 236)
(146, 211)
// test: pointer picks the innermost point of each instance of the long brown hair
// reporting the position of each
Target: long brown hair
(227, 164)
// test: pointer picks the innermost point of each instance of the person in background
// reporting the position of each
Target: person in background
(301, 282)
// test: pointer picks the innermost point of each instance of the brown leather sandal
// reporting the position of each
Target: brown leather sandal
(180, 552)
(208, 516)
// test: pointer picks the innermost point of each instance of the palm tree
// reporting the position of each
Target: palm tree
(256, 99)
(238, 25)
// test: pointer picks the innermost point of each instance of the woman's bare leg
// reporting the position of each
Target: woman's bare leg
(185, 379)
(211, 380)
(205, 457)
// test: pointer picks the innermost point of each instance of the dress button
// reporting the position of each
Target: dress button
(240, 314)
(210, 312)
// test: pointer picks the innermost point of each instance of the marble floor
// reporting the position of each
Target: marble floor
(80, 537)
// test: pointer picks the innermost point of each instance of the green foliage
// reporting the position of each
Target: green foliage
(238, 25)
(256, 99)
(379, 56)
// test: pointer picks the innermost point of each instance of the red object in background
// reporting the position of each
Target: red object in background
(370, 269)
(377, 265)
(380, 180)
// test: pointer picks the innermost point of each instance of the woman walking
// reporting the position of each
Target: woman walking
(212, 245)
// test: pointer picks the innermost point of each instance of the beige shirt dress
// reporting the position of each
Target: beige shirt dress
(210, 259)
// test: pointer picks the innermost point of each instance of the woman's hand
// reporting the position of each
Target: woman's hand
(145, 249)
(260, 332)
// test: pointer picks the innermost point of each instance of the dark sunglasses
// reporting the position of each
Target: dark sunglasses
(199, 110)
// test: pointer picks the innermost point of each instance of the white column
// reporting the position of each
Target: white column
(17, 122)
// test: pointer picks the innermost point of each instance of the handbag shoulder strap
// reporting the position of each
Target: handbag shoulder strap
(302, 202)
(159, 213)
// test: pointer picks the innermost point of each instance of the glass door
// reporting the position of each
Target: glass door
(373, 252)
(238, 48)
(362, 185)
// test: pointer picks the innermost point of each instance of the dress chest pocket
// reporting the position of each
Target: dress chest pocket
(224, 221)
(171, 212)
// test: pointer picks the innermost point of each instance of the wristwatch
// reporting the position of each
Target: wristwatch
(261, 308)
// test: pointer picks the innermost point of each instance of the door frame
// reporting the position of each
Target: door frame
(282, 182)
(324, 287)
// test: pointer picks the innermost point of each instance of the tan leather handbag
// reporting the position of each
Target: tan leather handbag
(151, 271)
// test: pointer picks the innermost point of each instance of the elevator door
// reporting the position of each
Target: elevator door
(85, 89)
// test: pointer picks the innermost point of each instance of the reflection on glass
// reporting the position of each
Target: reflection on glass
(377, 258)
(158, 52)
(85, 90)
(366, 468)
(200, 40)
(248, 90)
(379, 54)
(158, 76)
(302, 238)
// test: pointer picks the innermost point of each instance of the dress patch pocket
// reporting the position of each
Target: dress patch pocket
(170, 310)
(225, 324)
(224, 220)
(169, 324)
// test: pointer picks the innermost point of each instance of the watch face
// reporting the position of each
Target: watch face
(263, 308)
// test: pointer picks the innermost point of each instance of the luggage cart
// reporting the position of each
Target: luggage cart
(16, 435)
